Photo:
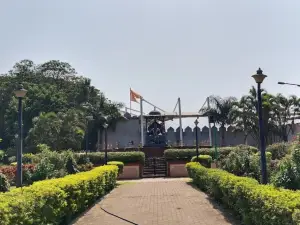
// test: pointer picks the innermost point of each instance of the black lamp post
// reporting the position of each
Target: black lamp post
(197, 142)
(20, 94)
(105, 125)
(88, 119)
(259, 78)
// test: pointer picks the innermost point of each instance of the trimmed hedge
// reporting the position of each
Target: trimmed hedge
(120, 165)
(204, 160)
(254, 203)
(187, 154)
(124, 157)
(56, 201)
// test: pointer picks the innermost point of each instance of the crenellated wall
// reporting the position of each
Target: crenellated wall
(127, 131)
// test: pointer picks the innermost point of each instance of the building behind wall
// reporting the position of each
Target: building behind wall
(127, 134)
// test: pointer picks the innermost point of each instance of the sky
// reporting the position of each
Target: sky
(162, 49)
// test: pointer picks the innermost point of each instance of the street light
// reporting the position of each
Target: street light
(284, 83)
(197, 143)
(259, 78)
(20, 94)
(105, 125)
(88, 119)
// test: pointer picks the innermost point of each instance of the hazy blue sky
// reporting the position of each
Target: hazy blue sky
(163, 49)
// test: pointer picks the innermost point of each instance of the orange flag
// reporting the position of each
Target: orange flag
(134, 96)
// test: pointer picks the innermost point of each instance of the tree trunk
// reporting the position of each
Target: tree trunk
(245, 139)
(223, 135)
(98, 140)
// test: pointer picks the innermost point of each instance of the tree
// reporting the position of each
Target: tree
(53, 87)
(221, 111)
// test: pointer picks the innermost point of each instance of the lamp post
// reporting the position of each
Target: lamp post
(259, 78)
(20, 94)
(197, 142)
(88, 119)
(105, 125)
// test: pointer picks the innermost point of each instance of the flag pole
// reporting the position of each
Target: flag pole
(209, 126)
(180, 123)
(142, 121)
(130, 100)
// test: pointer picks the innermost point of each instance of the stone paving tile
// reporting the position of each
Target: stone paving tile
(155, 202)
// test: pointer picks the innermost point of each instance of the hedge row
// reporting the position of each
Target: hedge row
(56, 201)
(255, 204)
(187, 154)
(125, 157)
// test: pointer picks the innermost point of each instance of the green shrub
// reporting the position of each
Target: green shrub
(278, 150)
(288, 173)
(97, 158)
(56, 201)
(13, 164)
(30, 158)
(2, 155)
(120, 165)
(12, 159)
(187, 154)
(255, 204)
(4, 183)
(85, 167)
(204, 160)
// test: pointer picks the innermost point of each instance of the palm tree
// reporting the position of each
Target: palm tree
(221, 111)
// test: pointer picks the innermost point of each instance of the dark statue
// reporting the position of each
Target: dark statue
(156, 132)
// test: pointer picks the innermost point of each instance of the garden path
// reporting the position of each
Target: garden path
(157, 202)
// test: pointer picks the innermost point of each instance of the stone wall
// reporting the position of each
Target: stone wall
(127, 131)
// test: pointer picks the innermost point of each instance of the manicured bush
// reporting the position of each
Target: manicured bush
(255, 204)
(187, 154)
(56, 201)
(120, 165)
(204, 160)
(97, 158)
(4, 184)
(278, 150)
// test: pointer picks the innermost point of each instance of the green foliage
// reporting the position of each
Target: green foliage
(60, 131)
(204, 160)
(288, 173)
(2, 155)
(244, 162)
(120, 165)
(187, 154)
(56, 201)
(4, 183)
(85, 167)
(54, 111)
(278, 150)
(30, 158)
(255, 204)
(52, 164)
(98, 158)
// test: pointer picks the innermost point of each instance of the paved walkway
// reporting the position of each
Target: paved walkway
(155, 202)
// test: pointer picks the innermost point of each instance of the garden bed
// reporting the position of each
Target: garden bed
(253, 203)
(56, 201)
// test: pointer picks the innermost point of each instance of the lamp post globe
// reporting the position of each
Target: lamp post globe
(20, 94)
(259, 78)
